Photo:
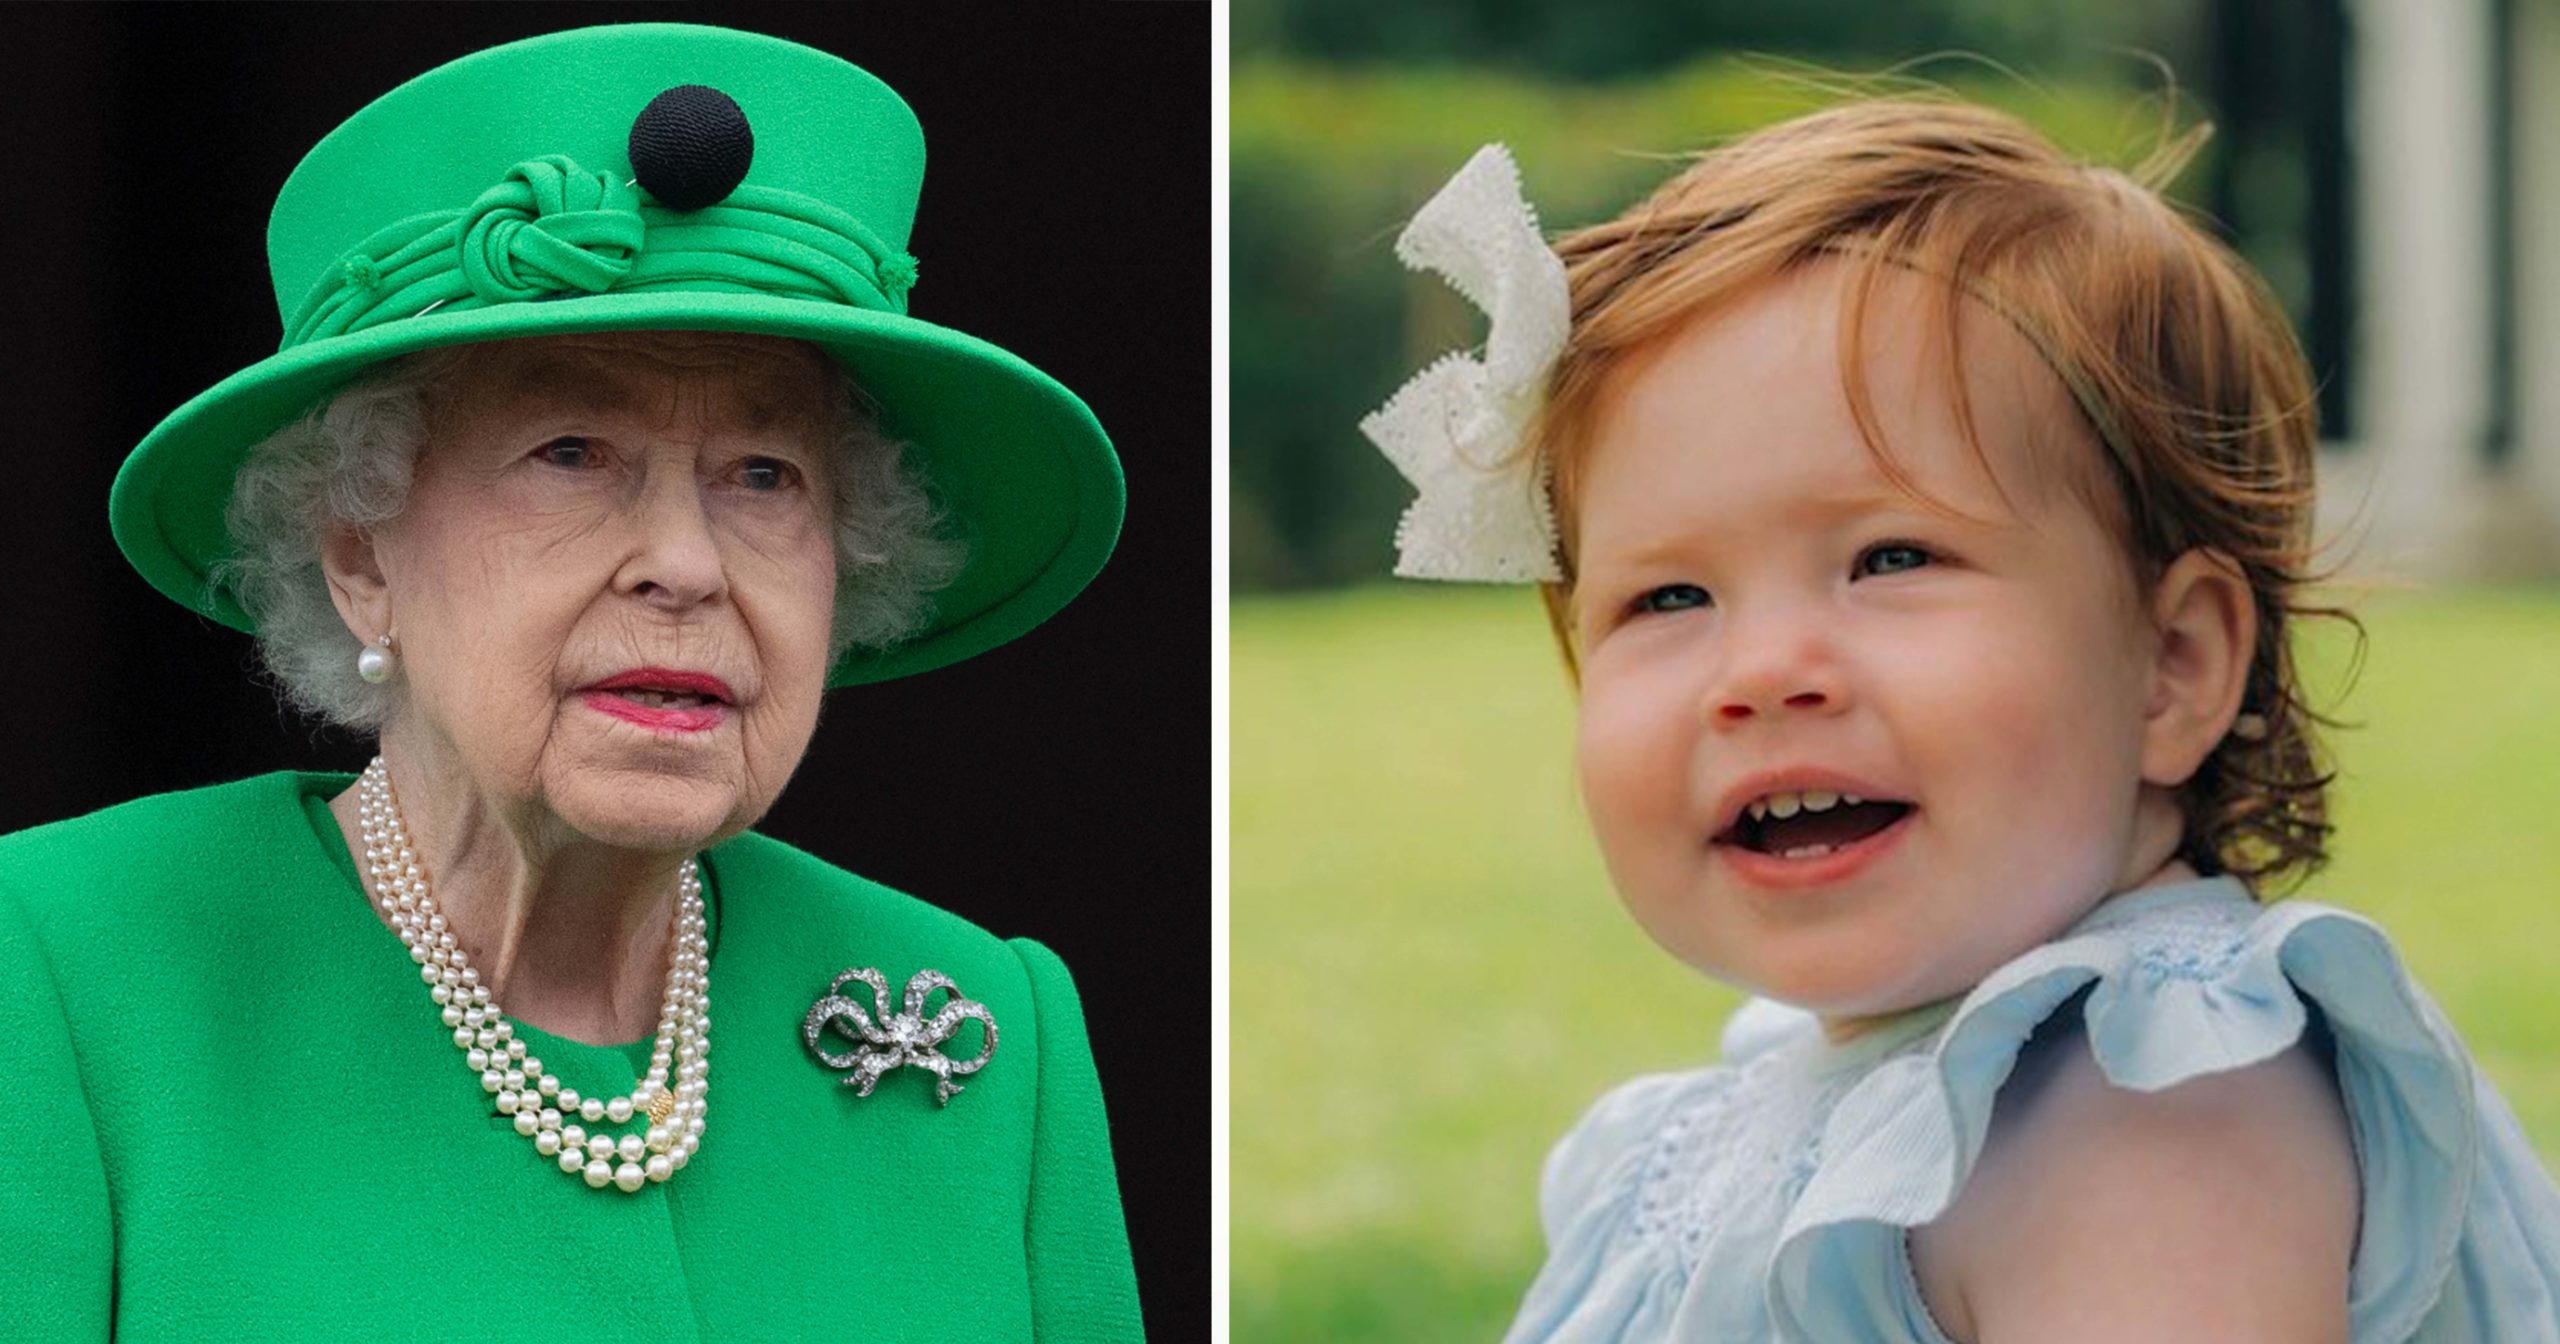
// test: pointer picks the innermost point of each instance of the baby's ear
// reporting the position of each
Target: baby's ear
(2205, 618)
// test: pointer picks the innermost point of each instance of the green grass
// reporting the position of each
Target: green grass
(1431, 977)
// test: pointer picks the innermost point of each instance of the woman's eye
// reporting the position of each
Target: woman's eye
(1671, 597)
(763, 474)
(569, 451)
(1895, 556)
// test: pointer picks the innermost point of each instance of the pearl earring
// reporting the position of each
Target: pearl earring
(374, 664)
(2250, 728)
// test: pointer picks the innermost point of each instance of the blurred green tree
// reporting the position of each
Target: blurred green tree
(1324, 323)
(1616, 39)
(1346, 114)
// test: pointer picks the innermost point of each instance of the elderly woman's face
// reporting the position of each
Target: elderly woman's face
(591, 511)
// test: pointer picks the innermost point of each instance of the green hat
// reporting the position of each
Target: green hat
(497, 197)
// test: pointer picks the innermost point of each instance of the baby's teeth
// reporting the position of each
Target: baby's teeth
(1808, 851)
(1790, 803)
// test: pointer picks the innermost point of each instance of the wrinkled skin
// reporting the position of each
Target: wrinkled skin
(584, 506)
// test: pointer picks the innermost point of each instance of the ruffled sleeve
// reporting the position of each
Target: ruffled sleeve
(1586, 1199)
(1609, 1275)
(2183, 982)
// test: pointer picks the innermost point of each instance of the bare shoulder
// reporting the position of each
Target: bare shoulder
(2222, 1208)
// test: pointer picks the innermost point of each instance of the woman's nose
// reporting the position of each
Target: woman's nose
(675, 560)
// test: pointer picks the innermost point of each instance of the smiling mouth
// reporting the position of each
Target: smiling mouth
(1811, 835)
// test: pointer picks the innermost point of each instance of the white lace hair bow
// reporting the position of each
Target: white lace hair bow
(1455, 430)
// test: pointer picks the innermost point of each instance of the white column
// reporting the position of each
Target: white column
(2537, 463)
(2420, 127)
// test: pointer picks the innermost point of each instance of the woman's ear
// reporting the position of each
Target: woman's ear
(2205, 619)
(356, 585)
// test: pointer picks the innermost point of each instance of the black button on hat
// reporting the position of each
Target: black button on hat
(690, 147)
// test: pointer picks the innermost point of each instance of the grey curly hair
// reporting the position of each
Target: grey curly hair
(348, 460)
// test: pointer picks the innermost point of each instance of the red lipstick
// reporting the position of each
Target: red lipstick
(668, 679)
(607, 697)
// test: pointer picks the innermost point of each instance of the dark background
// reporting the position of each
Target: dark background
(1057, 787)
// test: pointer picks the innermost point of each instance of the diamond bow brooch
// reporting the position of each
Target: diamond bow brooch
(883, 1040)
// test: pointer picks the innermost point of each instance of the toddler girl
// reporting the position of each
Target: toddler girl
(1922, 517)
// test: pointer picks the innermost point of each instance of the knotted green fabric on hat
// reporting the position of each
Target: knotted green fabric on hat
(498, 197)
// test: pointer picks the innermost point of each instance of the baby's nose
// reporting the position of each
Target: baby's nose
(1741, 708)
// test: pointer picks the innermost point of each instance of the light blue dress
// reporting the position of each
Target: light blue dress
(1767, 1197)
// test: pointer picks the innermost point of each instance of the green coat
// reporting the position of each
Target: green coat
(232, 1113)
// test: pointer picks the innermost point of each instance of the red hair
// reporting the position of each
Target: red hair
(2180, 360)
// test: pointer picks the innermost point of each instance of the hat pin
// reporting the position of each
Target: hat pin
(690, 147)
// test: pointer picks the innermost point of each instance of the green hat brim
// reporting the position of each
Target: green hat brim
(1013, 458)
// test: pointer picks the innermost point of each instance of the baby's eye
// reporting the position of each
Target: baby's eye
(1670, 597)
(567, 451)
(766, 474)
(1897, 556)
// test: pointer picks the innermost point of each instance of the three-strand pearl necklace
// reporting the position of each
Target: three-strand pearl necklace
(544, 1111)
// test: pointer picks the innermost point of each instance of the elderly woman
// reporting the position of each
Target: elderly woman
(599, 446)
